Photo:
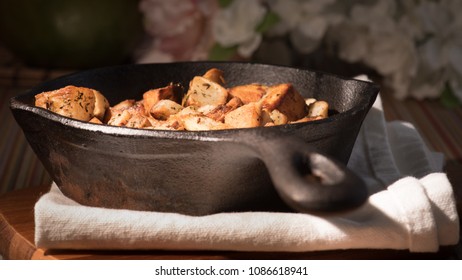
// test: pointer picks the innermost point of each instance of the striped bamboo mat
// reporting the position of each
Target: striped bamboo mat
(441, 128)
(19, 167)
(18, 164)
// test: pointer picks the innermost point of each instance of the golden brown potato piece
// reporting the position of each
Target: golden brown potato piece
(138, 121)
(309, 101)
(163, 109)
(307, 119)
(178, 118)
(190, 110)
(207, 109)
(215, 75)
(318, 109)
(287, 100)
(248, 115)
(101, 105)
(219, 112)
(95, 120)
(199, 123)
(119, 118)
(129, 116)
(275, 117)
(248, 93)
(115, 112)
(203, 91)
(80, 103)
(151, 97)
(124, 104)
(169, 124)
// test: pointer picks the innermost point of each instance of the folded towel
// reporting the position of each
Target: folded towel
(412, 207)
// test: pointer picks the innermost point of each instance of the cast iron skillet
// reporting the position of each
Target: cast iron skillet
(199, 173)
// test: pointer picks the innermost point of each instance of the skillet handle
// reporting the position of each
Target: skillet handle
(308, 181)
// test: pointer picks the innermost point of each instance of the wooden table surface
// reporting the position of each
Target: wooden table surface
(17, 220)
(17, 241)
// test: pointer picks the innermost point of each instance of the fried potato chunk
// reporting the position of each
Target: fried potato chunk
(318, 109)
(219, 112)
(309, 101)
(127, 103)
(128, 113)
(287, 100)
(151, 97)
(169, 124)
(275, 117)
(248, 115)
(215, 75)
(119, 118)
(203, 91)
(248, 93)
(163, 109)
(199, 123)
(95, 120)
(138, 121)
(80, 103)
(101, 105)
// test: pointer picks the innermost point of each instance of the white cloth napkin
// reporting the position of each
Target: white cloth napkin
(411, 207)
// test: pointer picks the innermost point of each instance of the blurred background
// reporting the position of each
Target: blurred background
(413, 49)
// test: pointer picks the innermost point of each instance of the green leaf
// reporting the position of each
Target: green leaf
(224, 3)
(448, 99)
(220, 53)
(268, 21)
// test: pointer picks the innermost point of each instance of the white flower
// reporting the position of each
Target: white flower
(427, 83)
(308, 34)
(236, 25)
(293, 12)
(177, 30)
(306, 21)
(439, 48)
(377, 17)
(415, 45)
(371, 36)
(350, 41)
(390, 52)
(247, 48)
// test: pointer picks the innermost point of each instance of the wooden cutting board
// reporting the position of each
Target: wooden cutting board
(17, 241)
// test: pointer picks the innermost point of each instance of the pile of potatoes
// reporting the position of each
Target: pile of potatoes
(207, 105)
